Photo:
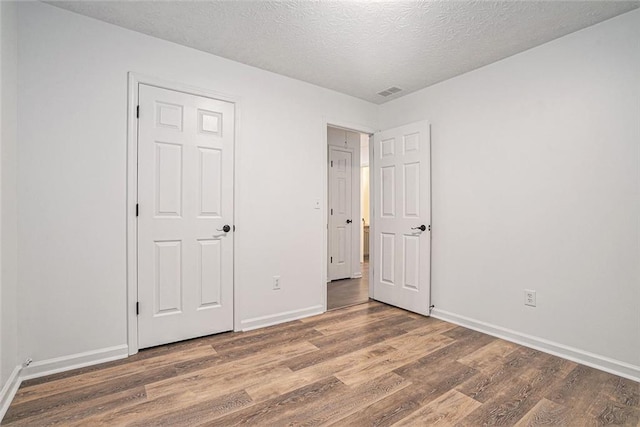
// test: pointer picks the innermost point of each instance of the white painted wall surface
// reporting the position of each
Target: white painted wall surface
(8, 198)
(536, 185)
(72, 177)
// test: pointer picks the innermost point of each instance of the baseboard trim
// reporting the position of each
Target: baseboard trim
(593, 360)
(356, 275)
(74, 361)
(274, 319)
(9, 390)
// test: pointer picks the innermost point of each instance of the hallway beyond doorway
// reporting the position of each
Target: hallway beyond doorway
(343, 293)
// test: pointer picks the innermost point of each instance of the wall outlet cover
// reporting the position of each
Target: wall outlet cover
(529, 297)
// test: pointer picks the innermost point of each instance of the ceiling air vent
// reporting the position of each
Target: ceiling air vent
(390, 91)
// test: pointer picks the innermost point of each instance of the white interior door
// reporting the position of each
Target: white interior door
(185, 196)
(341, 220)
(402, 197)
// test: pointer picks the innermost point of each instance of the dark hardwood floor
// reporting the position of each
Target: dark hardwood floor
(365, 365)
(343, 293)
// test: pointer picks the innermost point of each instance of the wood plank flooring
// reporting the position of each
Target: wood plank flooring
(343, 293)
(365, 365)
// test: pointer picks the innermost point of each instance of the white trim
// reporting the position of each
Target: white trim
(274, 319)
(593, 360)
(356, 275)
(74, 361)
(350, 126)
(430, 219)
(371, 219)
(236, 144)
(9, 390)
(134, 80)
(324, 159)
(132, 223)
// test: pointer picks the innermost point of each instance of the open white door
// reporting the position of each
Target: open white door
(340, 212)
(402, 217)
(185, 234)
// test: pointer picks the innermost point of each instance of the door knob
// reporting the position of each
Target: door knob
(349, 221)
(226, 228)
(421, 228)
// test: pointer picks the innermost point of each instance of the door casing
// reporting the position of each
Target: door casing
(354, 127)
(134, 79)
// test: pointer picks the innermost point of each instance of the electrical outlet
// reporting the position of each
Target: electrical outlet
(276, 283)
(529, 297)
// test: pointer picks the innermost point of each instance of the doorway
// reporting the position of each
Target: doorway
(400, 218)
(348, 218)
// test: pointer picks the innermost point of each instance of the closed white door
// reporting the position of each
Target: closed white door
(340, 213)
(402, 212)
(185, 228)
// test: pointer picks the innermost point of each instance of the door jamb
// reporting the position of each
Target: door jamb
(134, 80)
(355, 127)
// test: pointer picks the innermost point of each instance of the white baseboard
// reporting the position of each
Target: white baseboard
(9, 390)
(593, 360)
(74, 361)
(357, 275)
(274, 319)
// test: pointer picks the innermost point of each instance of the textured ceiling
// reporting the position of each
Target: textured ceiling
(356, 47)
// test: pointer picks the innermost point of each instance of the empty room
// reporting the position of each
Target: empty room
(351, 213)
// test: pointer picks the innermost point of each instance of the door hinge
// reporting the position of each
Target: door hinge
(137, 209)
(331, 163)
(331, 211)
(137, 111)
(234, 227)
(137, 308)
(331, 260)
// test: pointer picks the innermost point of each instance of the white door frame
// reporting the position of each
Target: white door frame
(355, 127)
(135, 79)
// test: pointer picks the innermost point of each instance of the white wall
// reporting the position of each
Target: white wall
(72, 177)
(8, 167)
(536, 185)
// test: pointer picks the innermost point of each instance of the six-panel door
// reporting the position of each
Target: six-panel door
(185, 195)
(401, 173)
(340, 213)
